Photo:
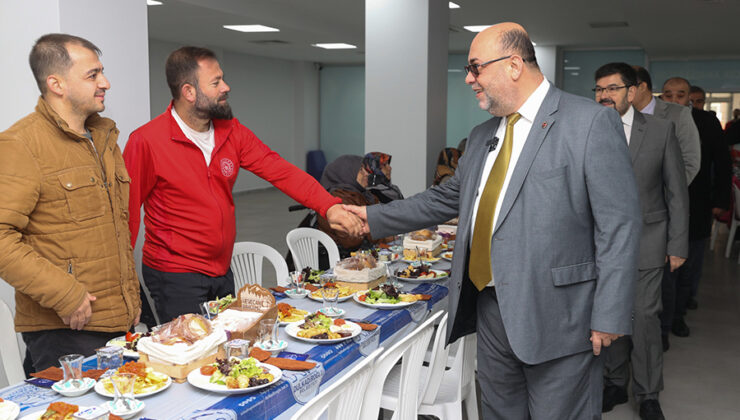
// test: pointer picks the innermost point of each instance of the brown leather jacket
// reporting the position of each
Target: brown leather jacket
(64, 223)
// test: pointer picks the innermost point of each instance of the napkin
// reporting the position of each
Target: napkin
(57, 374)
(259, 354)
(290, 364)
(307, 286)
(424, 297)
(366, 327)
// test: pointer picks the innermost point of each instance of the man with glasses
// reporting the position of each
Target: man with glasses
(664, 199)
(547, 240)
(183, 166)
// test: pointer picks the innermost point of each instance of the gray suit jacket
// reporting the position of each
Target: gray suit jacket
(564, 248)
(664, 196)
(686, 132)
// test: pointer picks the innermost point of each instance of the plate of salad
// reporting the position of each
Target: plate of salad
(319, 328)
(385, 296)
(235, 376)
(420, 273)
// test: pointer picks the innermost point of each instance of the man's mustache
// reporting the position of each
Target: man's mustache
(606, 102)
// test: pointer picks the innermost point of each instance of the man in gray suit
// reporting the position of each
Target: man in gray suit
(548, 233)
(686, 131)
(664, 199)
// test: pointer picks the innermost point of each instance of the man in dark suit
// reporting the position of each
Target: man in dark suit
(709, 195)
(664, 198)
(548, 233)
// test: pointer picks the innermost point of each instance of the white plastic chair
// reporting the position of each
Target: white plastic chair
(246, 263)
(339, 400)
(411, 349)
(10, 353)
(304, 247)
(735, 222)
(444, 391)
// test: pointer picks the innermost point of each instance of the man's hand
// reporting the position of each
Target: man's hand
(676, 262)
(361, 212)
(138, 317)
(716, 211)
(342, 220)
(601, 339)
(81, 316)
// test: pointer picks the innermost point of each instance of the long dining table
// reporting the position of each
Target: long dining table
(282, 399)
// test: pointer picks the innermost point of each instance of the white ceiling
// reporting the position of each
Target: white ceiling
(664, 28)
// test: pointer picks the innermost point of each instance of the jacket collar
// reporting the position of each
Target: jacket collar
(222, 129)
(93, 123)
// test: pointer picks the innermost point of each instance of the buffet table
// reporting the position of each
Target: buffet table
(280, 401)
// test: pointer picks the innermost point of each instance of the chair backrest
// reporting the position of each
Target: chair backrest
(10, 353)
(412, 349)
(736, 193)
(340, 399)
(304, 247)
(437, 363)
(246, 263)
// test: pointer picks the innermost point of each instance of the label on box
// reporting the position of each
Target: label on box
(91, 413)
(305, 385)
(294, 356)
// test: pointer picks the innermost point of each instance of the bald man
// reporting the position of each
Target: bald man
(548, 234)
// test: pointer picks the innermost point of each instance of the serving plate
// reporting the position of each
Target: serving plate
(100, 388)
(292, 330)
(398, 305)
(198, 380)
(441, 275)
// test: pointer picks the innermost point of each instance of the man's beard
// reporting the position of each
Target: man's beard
(206, 109)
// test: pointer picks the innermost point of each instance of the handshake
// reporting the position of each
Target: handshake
(351, 220)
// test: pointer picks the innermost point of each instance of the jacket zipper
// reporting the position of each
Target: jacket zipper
(69, 267)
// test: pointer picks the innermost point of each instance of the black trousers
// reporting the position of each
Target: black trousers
(688, 277)
(46, 347)
(175, 294)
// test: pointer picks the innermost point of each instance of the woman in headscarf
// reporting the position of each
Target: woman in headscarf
(361, 181)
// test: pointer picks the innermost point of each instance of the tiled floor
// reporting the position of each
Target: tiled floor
(702, 371)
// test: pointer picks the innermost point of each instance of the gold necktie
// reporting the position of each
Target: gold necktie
(480, 251)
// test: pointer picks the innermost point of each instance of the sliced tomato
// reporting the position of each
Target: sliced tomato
(362, 297)
(131, 337)
(339, 322)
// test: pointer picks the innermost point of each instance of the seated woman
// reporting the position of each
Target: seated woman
(360, 181)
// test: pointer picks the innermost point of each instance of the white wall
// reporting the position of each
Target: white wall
(277, 99)
(118, 28)
(547, 59)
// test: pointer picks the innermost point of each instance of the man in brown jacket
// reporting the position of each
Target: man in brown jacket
(64, 238)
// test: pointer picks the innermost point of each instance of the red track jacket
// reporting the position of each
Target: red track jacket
(189, 209)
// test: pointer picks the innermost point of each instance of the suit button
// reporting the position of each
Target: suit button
(92, 179)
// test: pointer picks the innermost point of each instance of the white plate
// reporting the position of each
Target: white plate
(121, 342)
(198, 380)
(446, 255)
(441, 275)
(339, 299)
(282, 345)
(100, 389)
(66, 388)
(398, 305)
(425, 260)
(10, 410)
(293, 329)
(123, 413)
(36, 415)
(300, 295)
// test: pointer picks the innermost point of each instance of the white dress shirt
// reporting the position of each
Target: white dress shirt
(528, 112)
(204, 140)
(627, 120)
(650, 107)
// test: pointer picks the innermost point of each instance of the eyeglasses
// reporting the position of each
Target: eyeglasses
(473, 68)
(611, 89)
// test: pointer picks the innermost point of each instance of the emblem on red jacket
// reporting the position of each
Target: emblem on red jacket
(227, 167)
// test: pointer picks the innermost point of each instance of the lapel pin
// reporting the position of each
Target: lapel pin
(544, 125)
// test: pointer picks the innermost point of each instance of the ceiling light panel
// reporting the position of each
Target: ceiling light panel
(476, 28)
(153, 3)
(251, 28)
(454, 5)
(334, 46)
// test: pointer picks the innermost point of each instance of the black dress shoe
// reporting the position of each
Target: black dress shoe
(650, 410)
(666, 343)
(613, 395)
(679, 328)
(693, 304)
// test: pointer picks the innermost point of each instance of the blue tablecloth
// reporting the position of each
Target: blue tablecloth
(183, 401)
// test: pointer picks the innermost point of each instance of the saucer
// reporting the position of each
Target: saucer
(291, 293)
(123, 413)
(282, 345)
(68, 390)
(337, 312)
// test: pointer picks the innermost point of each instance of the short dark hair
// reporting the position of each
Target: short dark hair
(697, 89)
(624, 70)
(643, 76)
(49, 55)
(182, 67)
(518, 42)
(677, 79)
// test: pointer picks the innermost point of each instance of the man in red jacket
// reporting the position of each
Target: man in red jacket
(183, 165)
